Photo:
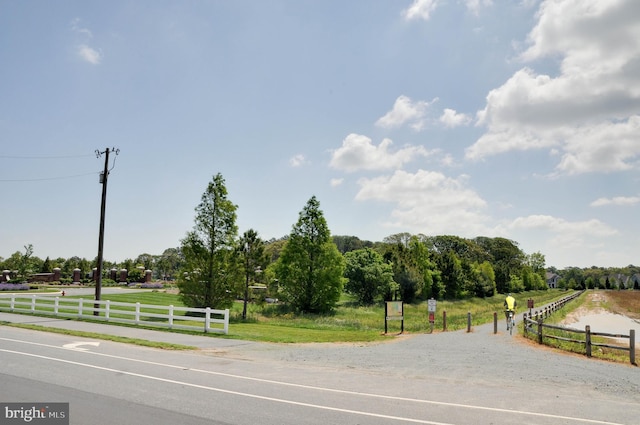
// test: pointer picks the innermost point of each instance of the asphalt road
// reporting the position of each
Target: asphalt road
(455, 378)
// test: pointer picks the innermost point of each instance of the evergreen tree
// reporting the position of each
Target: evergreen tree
(253, 260)
(211, 265)
(310, 268)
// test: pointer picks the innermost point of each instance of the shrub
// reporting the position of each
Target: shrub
(152, 285)
(14, 287)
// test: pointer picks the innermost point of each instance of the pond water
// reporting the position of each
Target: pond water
(606, 323)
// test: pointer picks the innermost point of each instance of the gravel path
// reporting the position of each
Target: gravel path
(480, 357)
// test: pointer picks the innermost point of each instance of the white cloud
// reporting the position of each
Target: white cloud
(89, 55)
(336, 182)
(589, 111)
(450, 118)
(298, 160)
(618, 201)
(75, 26)
(405, 111)
(359, 153)
(475, 6)
(420, 9)
(85, 52)
(428, 202)
(566, 234)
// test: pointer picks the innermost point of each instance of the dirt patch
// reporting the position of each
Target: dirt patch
(626, 303)
(595, 304)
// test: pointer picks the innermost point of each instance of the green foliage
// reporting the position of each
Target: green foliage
(368, 276)
(350, 243)
(486, 282)
(452, 276)
(515, 284)
(310, 268)
(251, 249)
(135, 275)
(46, 266)
(211, 271)
(413, 269)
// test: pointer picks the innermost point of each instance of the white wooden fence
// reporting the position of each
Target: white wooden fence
(170, 317)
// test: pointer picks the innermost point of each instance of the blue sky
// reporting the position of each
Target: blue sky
(462, 117)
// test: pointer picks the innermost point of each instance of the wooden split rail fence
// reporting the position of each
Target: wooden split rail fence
(534, 323)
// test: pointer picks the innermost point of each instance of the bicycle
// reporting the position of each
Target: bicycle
(511, 321)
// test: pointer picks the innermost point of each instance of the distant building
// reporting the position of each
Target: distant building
(552, 279)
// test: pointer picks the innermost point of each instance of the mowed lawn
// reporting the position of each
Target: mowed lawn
(348, 323)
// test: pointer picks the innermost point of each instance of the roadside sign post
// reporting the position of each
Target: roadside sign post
(431, 309)
(394, 310)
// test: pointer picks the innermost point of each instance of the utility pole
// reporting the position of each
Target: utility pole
(103, 180)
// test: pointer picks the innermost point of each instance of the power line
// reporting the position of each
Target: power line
(44, 157)
(48, 178)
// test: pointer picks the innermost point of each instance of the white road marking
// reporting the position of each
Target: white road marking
(220, 390)
(76, 345)
(357, 393)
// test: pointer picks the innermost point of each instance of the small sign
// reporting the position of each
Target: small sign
(395, 310)
(431, 305)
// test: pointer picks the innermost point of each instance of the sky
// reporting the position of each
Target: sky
(515, 119)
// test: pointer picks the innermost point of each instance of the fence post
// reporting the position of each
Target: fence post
(226, 321)
(632, 346)
(33, 304)
(56, 302)
(80, 308)
(207, 320)
(539, 331)
(13, 303)
(495, 322)
(137, 313)
(106, 311)
(171, 316)
(469, 321)
(587, 330)
(444, 320)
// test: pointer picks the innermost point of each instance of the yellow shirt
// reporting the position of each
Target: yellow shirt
(510, 303)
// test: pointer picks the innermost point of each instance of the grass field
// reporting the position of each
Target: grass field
(348, 323)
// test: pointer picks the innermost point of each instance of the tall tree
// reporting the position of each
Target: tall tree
(168, 264)
(210, 273)
(253, 261)
(368, 276)
(310, 268)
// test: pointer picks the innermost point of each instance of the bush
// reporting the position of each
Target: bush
(152, 285)
(14, 287)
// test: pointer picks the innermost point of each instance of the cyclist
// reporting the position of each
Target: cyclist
(510, 305)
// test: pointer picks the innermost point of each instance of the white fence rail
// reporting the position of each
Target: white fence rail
(170, 317)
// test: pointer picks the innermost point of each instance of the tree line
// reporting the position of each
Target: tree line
(309, 269)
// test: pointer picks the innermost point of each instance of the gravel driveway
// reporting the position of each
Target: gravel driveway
(479, 357)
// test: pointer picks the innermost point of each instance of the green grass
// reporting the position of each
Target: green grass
(348, 323)
(122, 339)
